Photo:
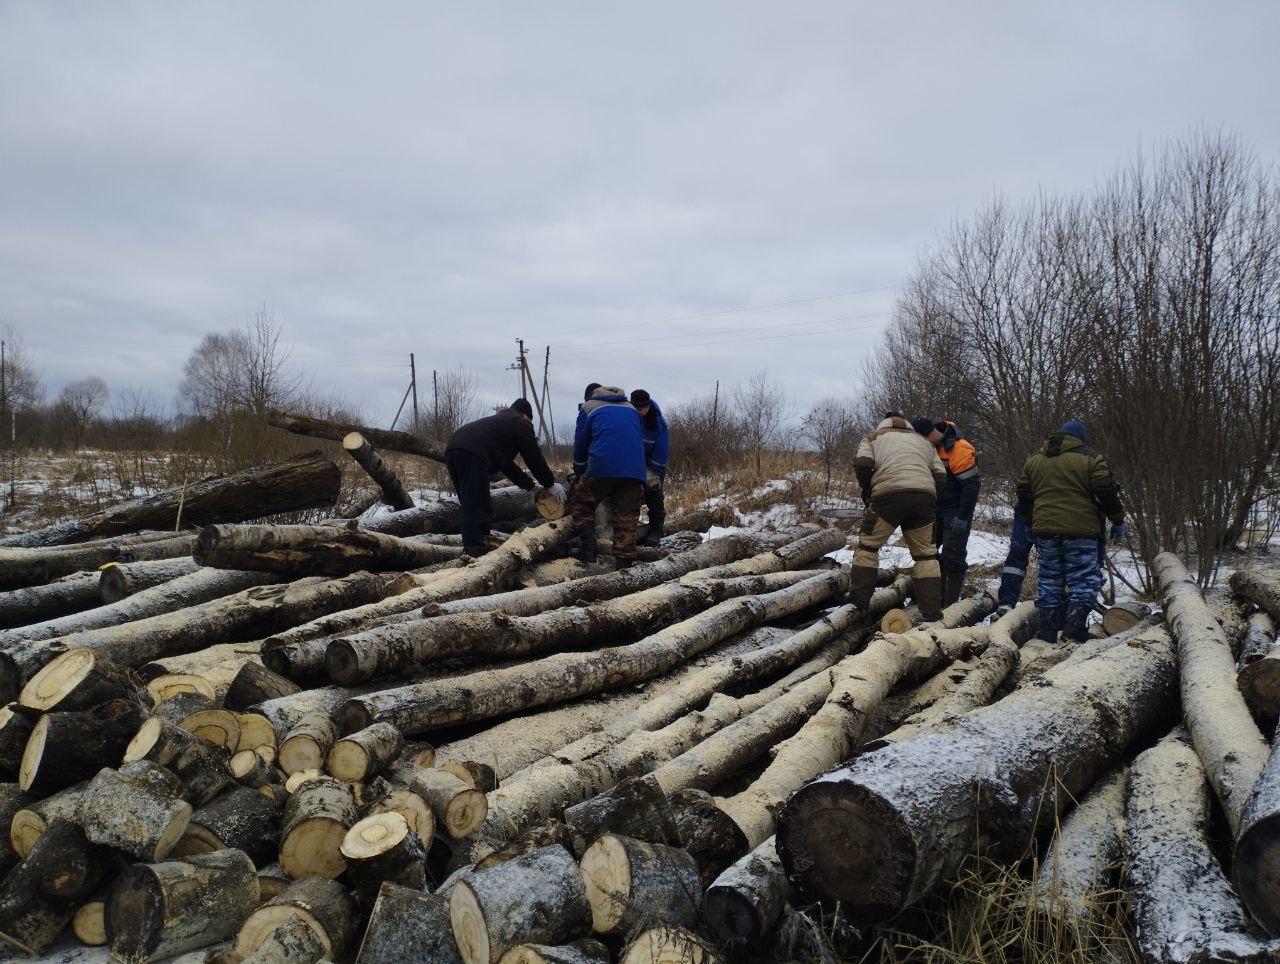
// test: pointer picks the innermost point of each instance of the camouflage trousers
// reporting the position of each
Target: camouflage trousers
(622, 497)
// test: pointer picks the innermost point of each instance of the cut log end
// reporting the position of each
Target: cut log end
(374, 835)
(163, 687)
(470, 932)
(29, 768)
(50, 685)
(219, 727)
(466, 813)
(89, 924)
(895, 621)
(668, 945)
(313, 849)
(606, 870)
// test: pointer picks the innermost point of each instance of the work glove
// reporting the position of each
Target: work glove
(558, 493)
(652, 480)
(1118, 533)
(958, 523)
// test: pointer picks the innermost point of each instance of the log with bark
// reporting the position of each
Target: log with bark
(131, 814)
(586, 951)
(365, 456)
(80, 679)
(668, 945)
(1229, 743)
(253, 684)
(160, 910)
(537, 898)
(316, 819)
(1258, 589)
(419, 708)
(458, 807)
(30, 822)
(337, 431)
(305, 481)
(316, 550)
(240, 819)
(1259, 675)
(15, 730)
(379, 848)
(1183, 907)
(33, 604)
(119, 580)
(406, 925)
(306, 744)
(745, 903)
(203, 768)
(1124, 615)
(293, 942)
(365, 753)
(1086, 850)
(32, 567)
(510, 504)
(65, 748)
(323, 904)
(879, 833)
(12, 799)
(41, 895)
(630, 882)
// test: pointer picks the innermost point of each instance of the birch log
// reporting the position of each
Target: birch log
(1257, 589)
(33, 604)
(323, 904)
(407, 925)
(336, 431)
(745, 903)
(33, 567)
(119, 580)
(389, 484)
(1086, 849)
(1259, 675)
(297, 550)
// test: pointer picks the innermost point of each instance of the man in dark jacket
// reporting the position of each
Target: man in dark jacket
(489, 445)
(608, 461)
(1061, 492)
(956, 503)
(657, 446)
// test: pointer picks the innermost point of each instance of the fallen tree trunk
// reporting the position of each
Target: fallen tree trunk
(1086, 849)
(1259, 675)
(30, 567)
(1183, 906)
(389, 484)
(407, 925)
(419, 708)
(119, 580)
(305, 481)
(1229, 743)
(334, 431)
(1258, 589)
(70, 594)
(297, 550)
(745, 903)
(509, 503)
(879, 833)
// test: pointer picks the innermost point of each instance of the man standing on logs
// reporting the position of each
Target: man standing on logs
(1061, 491)
(657, 447)
(608, 462)
(900, 475)
(490, 445)
(956, 503)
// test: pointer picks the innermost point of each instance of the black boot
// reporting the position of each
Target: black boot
(587, 549)
(952, 587)
(620, 563)
(1048, 630)
(651, 538)
(1075, 628)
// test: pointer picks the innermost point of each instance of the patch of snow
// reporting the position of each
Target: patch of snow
(774, 517)
(773, 485)
(719, 532)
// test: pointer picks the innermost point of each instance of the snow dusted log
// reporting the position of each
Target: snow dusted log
(408, 926)
(32, 567)
(120, 580)
(298, 550)
(879, 833)
(1257, 851)
(393, 491)
(156, 911)
(316, 819)
(1259, 676)
(634, 808)
(65, 748)
(668, 945)
(630, 882)
(579, 952)
(418, 708)
(254, 684)
(132, 816)
(30, 822)
(41, 895)
(1182, 905)
(305, 481)
(323, 904)
(365, 753)
(1088, 846)
(459, 808)
(745, 903)
(379, 848)
(293, 942)
(445, 515)
(1257, 589)
(80, 679)
(1124, 615)
(336, 431)
(1229, 743)
(399, 648)
(306, 744)
(70, 594)
(480, 775)
(202, 767)
(538, 898)
(240, 819)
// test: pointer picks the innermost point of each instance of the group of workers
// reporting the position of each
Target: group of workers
(921, 476)
(620, 451)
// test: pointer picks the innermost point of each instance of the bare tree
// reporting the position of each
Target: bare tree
(831, 427)
(763, 408)
(243, 370)
(81, 402)
(21, 381)
(455, 401)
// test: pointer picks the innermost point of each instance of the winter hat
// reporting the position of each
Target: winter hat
(640, 398)
(522, 406)
(1075, 428)
(586, 396)
(922, 425)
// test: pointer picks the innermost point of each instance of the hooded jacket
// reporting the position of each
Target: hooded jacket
(498, 439)
(1064, 487)
(609, 440)
(897, 458)
(657, 440)
(960, 495)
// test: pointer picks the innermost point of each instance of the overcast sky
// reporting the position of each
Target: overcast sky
(617, 181)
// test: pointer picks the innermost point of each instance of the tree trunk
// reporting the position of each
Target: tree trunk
(408, 926)
(634, 808)
(335, 431)
(41, 895)
(81, 679)
(32, 567)
(255, 683)
(303, 550)
(1259, 590)
(132, 817)
(445, 515)
(323, 904)
(202, 767)
(1087, 848)
(1259, 675)
(305, 481)
(1183, 907)
(1124, 615)
(120, 580)
(419, 708)
(66, 748)
(316, 819)
(307, 744)
(365, 753)
(157, 911)
(746, 901)
(667, 945)
(240, 819)
(459, 808)
(393, 491)
(630, 882)
(879, 833)
(379, 848)
(538, 898)
(70, 594)
(293, 942)
(1229, 743)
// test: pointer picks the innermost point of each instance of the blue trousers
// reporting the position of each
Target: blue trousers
(1070, 572)
(1015, 563)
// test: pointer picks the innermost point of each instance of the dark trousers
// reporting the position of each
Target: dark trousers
(622, 496)
(656, 504)
(1069, 573)
(470, 477)
(1015, 563)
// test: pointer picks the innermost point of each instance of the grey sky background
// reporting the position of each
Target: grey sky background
(441, 178)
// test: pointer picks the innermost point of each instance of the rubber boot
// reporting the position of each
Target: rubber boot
(1075, 625)
(952, 587)
(652, 537)
(587, 549)
(620, 563)
(862, 583)
(1049, 625)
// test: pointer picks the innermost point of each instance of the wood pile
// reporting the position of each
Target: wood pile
(294, 744)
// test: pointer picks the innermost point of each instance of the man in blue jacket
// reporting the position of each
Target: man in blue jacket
(657, 445)
(608, 460)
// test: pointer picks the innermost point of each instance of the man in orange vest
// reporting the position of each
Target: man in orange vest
(956, 503)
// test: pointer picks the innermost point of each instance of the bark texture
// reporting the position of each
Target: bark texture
(1258, 589)
(119, 580)
(298, 550)
(31, 567)
(1086, 850)
(41, 895)
(745, 903)
(408, 926)
(70, 594)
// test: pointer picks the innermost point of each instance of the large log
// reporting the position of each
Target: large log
(203, 767)
(365, 753)
(336, 431)
(1260, 590)
(65, 748)
(31, 567)
(254, 683)
(323, 904)
(631, 882)
(1087, 847)
(240, 819)
(419, 708)
(1183, 907)
(132, 815)
(379, 848)
(293, 942)
(33, 604)
(392, 489)
(305, 481)
(81, 679)
(1229, 743)
(307, 743)
(509, 503)
(879, 833)
(119, 580)
(1259, 675)
(459, 808)
(160, 910)
(407, 925)
(316, 819)
(298, 550)
(745, 903)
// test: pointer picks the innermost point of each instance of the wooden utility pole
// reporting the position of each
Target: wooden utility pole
(546, 393)
(413, 385)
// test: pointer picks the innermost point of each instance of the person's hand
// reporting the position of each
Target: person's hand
(958, 523)
(558, 493)
(1118, 532)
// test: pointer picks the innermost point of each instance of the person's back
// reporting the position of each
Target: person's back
(899, 459)
(609, 442)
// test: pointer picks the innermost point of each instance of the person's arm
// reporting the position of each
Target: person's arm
(1105, 489)
(518, 476)
(864, 467)
(661, 449)
(1026, 495)
(581, 443)
(527, 443)
(939, 471)
(964, 467)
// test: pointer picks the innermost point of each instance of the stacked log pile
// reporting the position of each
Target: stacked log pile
(296, 743)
